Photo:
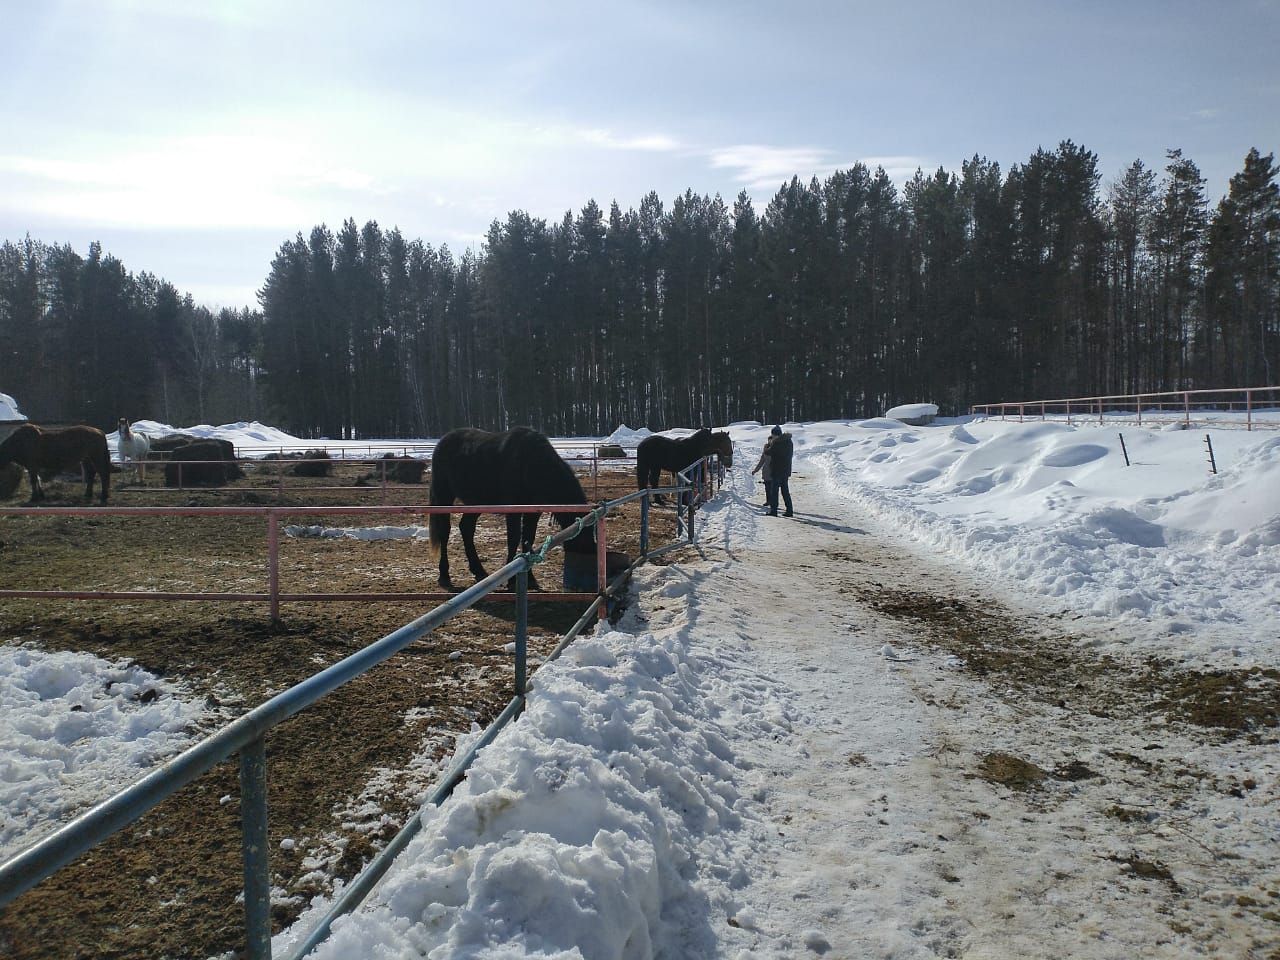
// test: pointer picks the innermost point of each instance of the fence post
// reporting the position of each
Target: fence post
(693, 485)
(602, 566)
(1213, 464)
(1248, 409)
(1186, 409)
(273, 563)
(1139, 409)
(522, 633)
(644, 524)
(1068, 413)
(257, 855)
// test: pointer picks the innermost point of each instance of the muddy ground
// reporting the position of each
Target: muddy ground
(343, 775)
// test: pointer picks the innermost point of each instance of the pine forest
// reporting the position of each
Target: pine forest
(838, 299)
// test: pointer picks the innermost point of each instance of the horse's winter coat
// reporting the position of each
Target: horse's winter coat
(52, 451)
(133, 446)
(658, 453)
(203, 463)
(515, 467)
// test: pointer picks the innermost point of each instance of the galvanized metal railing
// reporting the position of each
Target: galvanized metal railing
(1158, 407)
(247, 735)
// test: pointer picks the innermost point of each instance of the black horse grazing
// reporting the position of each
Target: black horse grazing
(656, 453)
(46, 452)
(515, 467)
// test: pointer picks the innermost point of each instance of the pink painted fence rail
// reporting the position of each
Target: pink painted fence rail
(272, 515)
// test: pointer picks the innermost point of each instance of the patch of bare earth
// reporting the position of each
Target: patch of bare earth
(1144, 722)
(343, 775)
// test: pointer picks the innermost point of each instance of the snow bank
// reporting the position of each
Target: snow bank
(9, 408)
(1190, 559)
(580, 831)
(75, 728)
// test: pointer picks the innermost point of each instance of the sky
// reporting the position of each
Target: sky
(753, 763)
(193, 138)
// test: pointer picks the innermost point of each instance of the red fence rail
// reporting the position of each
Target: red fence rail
(274, 595)
(1248, 407)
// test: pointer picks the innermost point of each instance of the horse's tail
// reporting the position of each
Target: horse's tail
(438, 523)
(99, 457)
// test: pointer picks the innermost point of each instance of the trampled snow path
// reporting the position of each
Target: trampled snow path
(888, 842)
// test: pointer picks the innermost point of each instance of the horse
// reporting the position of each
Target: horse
(515, 467)
(657, 453)
(46, 452)
(133, 447)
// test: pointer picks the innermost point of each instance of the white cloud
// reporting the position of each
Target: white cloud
(656, 143)
(204, 181)
(764, 167)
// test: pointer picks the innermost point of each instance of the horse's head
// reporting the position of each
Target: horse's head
(584, 542)
(722, 446)
(124, 427)
(17, 447)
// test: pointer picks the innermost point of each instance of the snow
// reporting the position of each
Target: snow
(74, 728)
(9, 408)
(912, 412)
(754, 762)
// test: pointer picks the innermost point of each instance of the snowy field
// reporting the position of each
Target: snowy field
(756, 762)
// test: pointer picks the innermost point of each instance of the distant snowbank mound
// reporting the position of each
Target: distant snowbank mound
(624, 436)
(916, 414)
(9, 408)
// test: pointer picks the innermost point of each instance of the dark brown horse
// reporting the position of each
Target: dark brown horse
(657, 453)
(515, 467)
(46, 452)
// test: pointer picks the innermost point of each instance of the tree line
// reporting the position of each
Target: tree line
(843, 297)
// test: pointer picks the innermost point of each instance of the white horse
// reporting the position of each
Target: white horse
(133, 448)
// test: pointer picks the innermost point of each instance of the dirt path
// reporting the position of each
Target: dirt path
(966, 781)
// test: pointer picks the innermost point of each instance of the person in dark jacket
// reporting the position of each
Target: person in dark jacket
(781, 450)
(764, 467)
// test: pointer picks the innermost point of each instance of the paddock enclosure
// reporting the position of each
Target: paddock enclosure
(346, 772)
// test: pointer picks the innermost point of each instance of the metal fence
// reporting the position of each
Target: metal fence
(246, 736)
(1248, 407)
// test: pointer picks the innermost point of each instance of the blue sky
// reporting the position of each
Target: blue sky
(193, 138)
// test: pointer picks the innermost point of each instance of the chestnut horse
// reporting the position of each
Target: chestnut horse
(658, 453)
(51, 451)
(515, 467)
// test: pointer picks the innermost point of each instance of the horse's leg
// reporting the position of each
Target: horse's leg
(467, 527)
(87, 470)
(37, 491)
(441, 530)
(529, 529)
